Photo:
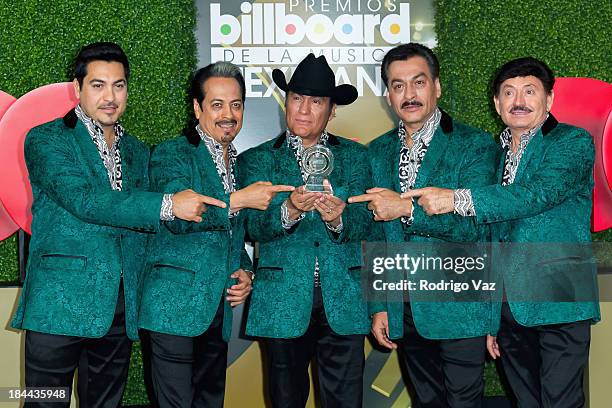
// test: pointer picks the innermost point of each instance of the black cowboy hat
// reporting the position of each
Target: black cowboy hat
(314, 77)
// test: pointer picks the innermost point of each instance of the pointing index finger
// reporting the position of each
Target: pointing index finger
(281, 187)
(213, 201)
(417, 192)
(361, 198)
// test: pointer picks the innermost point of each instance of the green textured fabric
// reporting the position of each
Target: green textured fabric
(458, 156)
(549, 201)
(281, 302)
(39, 39)
(473, 38)
(84, 234)
(189, 264)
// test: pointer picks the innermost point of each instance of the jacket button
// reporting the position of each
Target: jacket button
(316, 243)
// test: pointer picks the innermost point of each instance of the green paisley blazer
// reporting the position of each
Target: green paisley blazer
(84, 234)
(188, 264)
(458, 156)
(549, 202)
(282, 297)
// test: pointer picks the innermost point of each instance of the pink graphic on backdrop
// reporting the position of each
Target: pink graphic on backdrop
(32, 109)
(7, 226)
(587, 103)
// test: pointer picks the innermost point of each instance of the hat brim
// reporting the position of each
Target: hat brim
(344, 94)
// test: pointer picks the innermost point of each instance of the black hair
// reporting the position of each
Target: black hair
(100, 51)
(218, 69)
(405, 51)
(522, 67)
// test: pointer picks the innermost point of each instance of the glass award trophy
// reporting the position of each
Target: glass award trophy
(318, 163)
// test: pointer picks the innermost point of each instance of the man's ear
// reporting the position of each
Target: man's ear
(497, 105)
(77, 88)
(332, 112)
(197, 109)
(549, 100)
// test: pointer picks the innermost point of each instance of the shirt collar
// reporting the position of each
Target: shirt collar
(215, 148)
(425, 133)
(506, 136)
(296, 143)
(95, 128)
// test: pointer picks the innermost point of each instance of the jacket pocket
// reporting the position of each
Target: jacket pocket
(355, 272)
(63, 262)
(269, 273)
(173, 273)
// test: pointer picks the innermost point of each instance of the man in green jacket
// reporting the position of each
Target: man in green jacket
(196, 272)
(441, 343)
(90, 212)
(543, 195)
(307, 301)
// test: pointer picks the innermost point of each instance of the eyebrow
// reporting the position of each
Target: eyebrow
(420, 74)
(222, 100)
(103, 81)
(522, 86)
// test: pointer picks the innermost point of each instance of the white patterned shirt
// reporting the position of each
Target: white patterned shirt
(411, 158)
(226, 173)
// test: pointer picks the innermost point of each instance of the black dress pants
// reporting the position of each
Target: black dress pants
(190, 371)
(544, 364)
(51, 360)
(443, 373)
(340, 363)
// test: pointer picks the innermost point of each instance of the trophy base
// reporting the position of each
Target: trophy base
(318, 188)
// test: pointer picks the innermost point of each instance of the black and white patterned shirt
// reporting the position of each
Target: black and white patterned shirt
(226, 173)
(411, 158)
(296, 144)
(513, 159)
(111, 156)
(464, 205)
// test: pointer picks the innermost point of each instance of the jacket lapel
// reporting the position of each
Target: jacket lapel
(389, 163)
(285, 164)
(212, 184)
(394, 164)
(500, 166)
(91, 155)
(436, 148)
(127, 165)
(535, 145)
(336, 178)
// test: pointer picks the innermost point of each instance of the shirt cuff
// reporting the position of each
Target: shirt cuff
(337, 229)
(464, 205)
(165, 214)
(231, 214)
(409, 220)
(286, 221)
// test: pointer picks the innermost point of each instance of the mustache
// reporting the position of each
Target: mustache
(520, 108)
(109, 105)
(412, 102)
(227, 122)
